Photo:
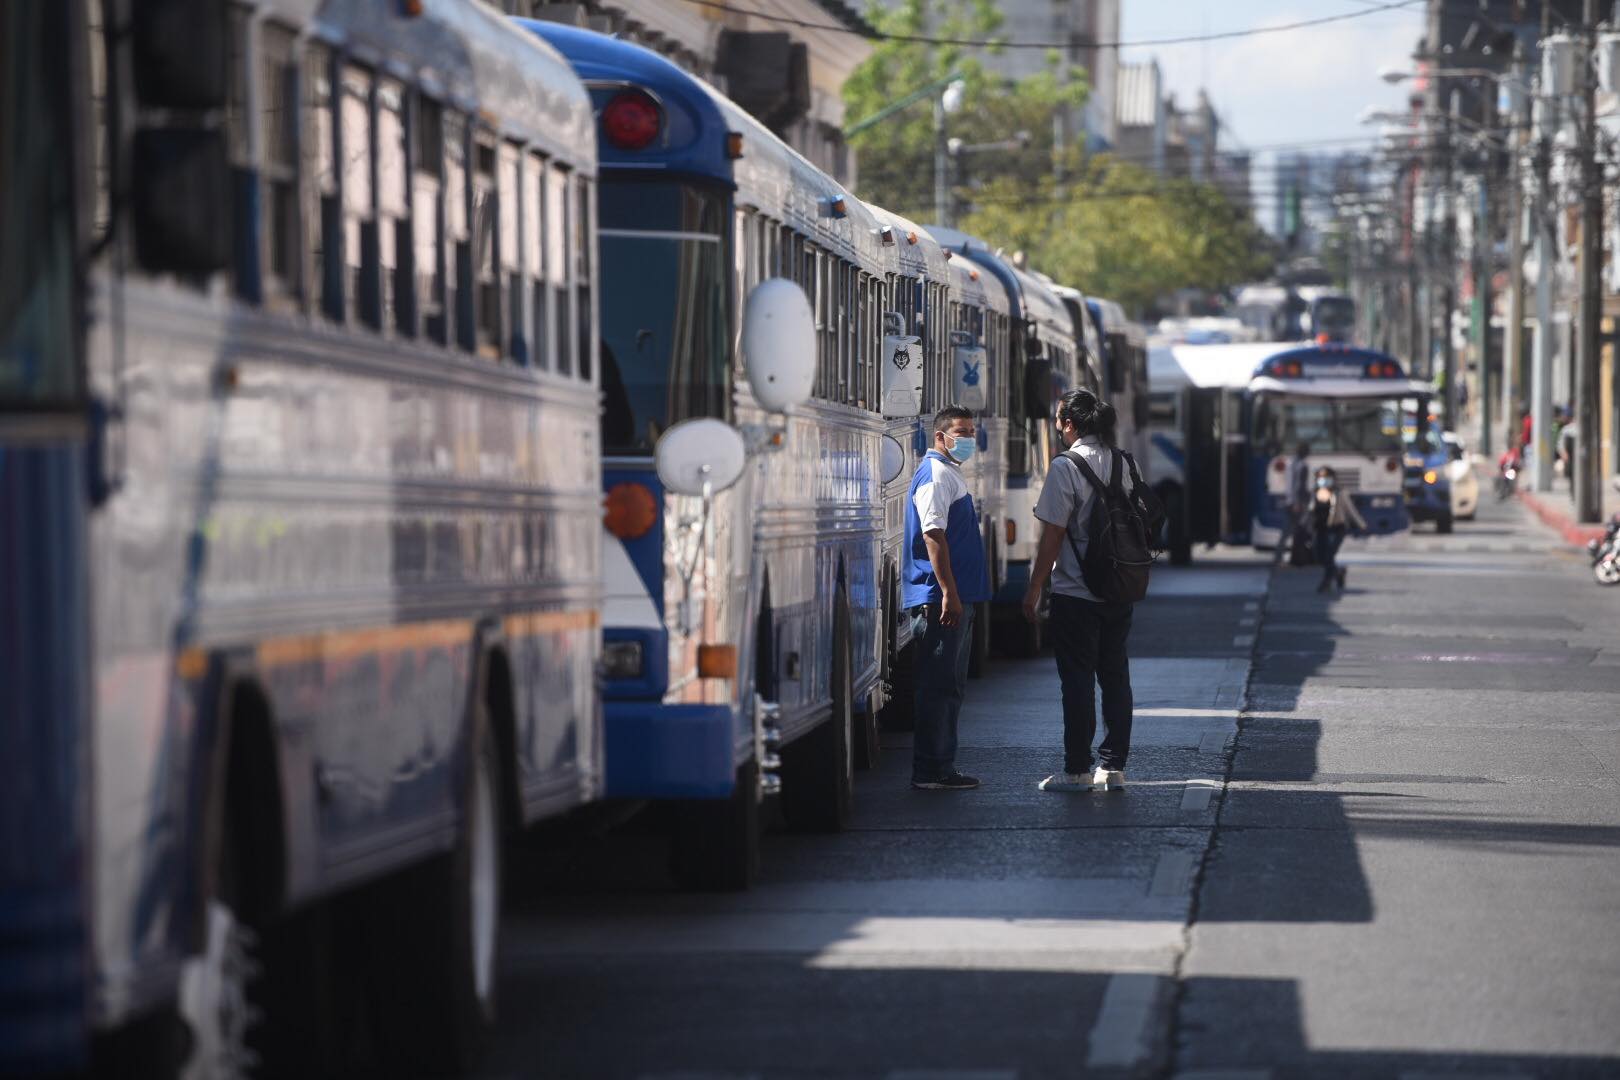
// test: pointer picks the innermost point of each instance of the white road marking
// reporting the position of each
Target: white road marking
(1213, 742)
(1248, 620)
(1172, 873)
(1197, 795)
(1242, 641)
(1118, 1037)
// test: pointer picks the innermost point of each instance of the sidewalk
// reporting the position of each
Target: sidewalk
(1556, 508)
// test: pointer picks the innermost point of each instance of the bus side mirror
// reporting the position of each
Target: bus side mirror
(1038, 388)
(779, 345)
(700, 456)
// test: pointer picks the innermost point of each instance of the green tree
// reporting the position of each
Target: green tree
(1108, 227)
(896, 156)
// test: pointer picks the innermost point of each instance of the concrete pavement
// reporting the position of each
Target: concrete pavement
(1369, 835)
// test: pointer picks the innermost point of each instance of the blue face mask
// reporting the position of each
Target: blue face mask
(962, 447)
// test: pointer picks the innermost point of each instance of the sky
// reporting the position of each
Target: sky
(1292, 88)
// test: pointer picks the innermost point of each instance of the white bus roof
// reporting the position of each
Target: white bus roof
(1232, 367)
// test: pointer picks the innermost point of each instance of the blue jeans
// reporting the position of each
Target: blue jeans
(941, 672)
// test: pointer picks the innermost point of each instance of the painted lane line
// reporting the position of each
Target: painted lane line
(1118, 1037)
(1172, 874)
(1248, 621)
(1197, 795)
(1213, 742)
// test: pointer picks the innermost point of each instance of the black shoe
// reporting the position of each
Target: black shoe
(1341, 578)
(951, 782)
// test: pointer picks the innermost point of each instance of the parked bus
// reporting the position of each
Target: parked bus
(1125, 375)
(748, 614)
(1043, 362)
(1231, 416)
(298, 503)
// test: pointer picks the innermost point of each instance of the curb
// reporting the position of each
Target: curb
(1562, 520)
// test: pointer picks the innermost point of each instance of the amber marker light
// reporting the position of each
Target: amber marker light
(717, 661)
(629, 511)
(734, 145)
(1012, 532)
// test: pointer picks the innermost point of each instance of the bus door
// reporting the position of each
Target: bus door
(1202, 446)
(1236, 512)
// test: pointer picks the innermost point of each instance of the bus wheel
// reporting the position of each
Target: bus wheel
(868, 743)
(436, 990)
(715, 846)
(818, 771)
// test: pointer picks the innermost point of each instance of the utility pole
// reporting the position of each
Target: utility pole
(1514, 383)
(1542, 212)
(1484, 235)
(1448, 256)
(1586, 470)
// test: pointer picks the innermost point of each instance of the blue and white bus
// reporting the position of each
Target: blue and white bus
(1043, 362)
(1125, 376)
(298, 501)
(1227, 419)
(749, 617)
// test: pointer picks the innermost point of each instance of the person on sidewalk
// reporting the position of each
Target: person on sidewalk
(1088, 634)
(945, 577)
(1331, 515)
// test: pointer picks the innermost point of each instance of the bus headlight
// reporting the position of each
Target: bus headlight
(1431, 477)
(621, 660)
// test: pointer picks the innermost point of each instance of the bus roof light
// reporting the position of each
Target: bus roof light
(886, 234)
(836, 208)
(911, 238)
(734, 145)
(632, 120)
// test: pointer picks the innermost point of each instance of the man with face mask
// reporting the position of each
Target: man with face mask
(945, 576)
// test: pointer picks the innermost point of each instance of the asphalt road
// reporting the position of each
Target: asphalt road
(1368, 835)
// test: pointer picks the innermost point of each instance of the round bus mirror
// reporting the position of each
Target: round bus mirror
(779, 344)
(695, 453)
(894, 458)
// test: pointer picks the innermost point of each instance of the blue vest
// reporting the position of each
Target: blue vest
(940, 487)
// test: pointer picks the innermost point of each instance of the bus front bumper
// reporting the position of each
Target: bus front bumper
(658, 751)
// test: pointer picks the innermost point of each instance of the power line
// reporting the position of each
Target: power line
(973, 43)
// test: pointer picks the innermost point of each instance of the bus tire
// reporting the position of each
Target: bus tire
(818, 771)
(868, 742)
(436, 988)
(715, 845)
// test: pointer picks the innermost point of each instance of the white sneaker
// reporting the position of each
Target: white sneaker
(1065, 782)
(1108, 779)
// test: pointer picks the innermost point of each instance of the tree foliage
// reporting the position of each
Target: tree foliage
(1107, 226)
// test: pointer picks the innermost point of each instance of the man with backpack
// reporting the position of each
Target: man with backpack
(1101, 524)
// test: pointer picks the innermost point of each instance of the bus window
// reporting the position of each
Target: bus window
(38, 353)
(508, 182)
(583, 246)
(427, 211)
(457, 253)
(359, 209)
(557, 265)
(393, 207)
(665, 344)
(278, 108)
(321, 164)
(485, 244)
(534, 239)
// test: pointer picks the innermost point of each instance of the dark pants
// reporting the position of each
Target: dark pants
(1327, 549)
(941, 672)
(1089, 639)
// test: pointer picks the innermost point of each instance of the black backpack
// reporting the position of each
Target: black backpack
(1124, 532)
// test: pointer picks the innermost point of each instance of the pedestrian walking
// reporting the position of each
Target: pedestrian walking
(1088, 633)
(945, 578)
(1331, 515)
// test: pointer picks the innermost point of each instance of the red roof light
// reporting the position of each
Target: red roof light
(632, 120)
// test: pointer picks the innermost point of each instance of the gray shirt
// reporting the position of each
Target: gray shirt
(1066, 500)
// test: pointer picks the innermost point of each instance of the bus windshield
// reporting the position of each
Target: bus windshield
(37, 359)
(1333, 315)
(1343, 425)
(665, 328)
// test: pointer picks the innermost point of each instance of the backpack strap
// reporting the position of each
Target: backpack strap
(1136, 477)
(1097, 489)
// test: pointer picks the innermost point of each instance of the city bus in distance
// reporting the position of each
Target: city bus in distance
(1227, 420)
(1043, 362)
(743, 625)
(298, 504)
(1125, 375)
(1330, 315)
